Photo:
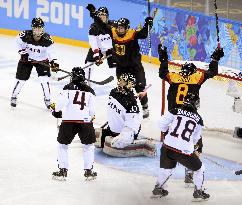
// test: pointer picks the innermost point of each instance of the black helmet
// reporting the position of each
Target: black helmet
(124, 22)
(37, 22)
(188, 69)
(192, 101)
(77, 75)
(103, 10)
(126, 82)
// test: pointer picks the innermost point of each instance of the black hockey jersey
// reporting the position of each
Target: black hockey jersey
(180, 86)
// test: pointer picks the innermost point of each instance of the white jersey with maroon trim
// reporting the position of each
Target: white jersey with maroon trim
(38, 50)
(184, 129)
(76, 102)
(123, 111)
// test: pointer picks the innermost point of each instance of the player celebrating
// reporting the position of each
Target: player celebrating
(189, 80)
(127, 52)
(36, 50)
(183, 126)
(76, 107)
(99, 40)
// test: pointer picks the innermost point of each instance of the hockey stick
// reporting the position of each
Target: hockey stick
(86, 66)
(216, 19)
(149, 37)
(108, 80)
(140, 95)
(223, 167)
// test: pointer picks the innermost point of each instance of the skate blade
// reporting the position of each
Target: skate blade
(90, 178)
(199, 199)
(157, 196)
(189, 185)
(59, 178)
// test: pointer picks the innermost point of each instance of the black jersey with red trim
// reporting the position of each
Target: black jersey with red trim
(180, 85)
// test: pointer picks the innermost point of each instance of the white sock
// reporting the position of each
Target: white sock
(88, 155)
(17, 87)
(62, 157)
(44, 82)
(163, 176)
(198, 177)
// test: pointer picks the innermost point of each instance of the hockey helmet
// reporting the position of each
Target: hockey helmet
(77, 75)
(103, 11)
(126, 82)
(37, 27)
(123, 25)
(188, 69)
(192, 100)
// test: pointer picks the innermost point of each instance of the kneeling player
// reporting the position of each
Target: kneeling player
(76, 107)
(124, 122)
(184, 127)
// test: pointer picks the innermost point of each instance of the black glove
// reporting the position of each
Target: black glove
(149, 21)
(91, 7)
(54, 66)
(57, 114)
(24, 56)
(199, 146)
(97, 56)
(217, 54)
(162, 51)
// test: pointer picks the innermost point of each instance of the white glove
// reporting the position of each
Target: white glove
(125, 138)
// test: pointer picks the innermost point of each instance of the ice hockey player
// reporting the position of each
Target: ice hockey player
(183, 126)
(36, 50)
(189, 80)
(127, 52)
(99, 40)
(75, 106)
(124, 122)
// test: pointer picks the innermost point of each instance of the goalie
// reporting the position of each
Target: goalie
(124, 123)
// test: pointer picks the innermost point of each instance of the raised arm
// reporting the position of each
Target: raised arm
(143, 33)
(163, 57)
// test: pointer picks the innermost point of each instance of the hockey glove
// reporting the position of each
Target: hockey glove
(149, 21)
(54, 66)
(97, 57)
(92, 9)
(24, 56)
(162, 51)
(57, 114)
(217, 54)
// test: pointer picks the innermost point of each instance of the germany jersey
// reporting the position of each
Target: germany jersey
(180, 85)
(127, 49)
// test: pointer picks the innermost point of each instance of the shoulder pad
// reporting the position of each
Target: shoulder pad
(47, 38)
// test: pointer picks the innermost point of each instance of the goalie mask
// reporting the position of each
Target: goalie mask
(37, 27)
(77, 75)
(103, 14)
(188, 69)
(192, 101)
(126, 82)
(123, 25)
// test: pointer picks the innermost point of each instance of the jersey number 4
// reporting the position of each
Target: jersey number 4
(82, 102)
(185, 130)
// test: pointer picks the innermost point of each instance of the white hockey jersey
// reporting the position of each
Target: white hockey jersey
(123, 111)
(76, 102)
(99, 38)
(38, 50)
(184, 129)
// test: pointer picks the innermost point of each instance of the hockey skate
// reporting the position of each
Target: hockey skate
(90, 174)
(159, 192)
(13, 102)
(237, 132)
(200, 195)
(47, 103)
(189, 180)
(60, 175)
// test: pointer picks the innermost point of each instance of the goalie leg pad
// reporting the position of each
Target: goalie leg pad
(141, 147)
